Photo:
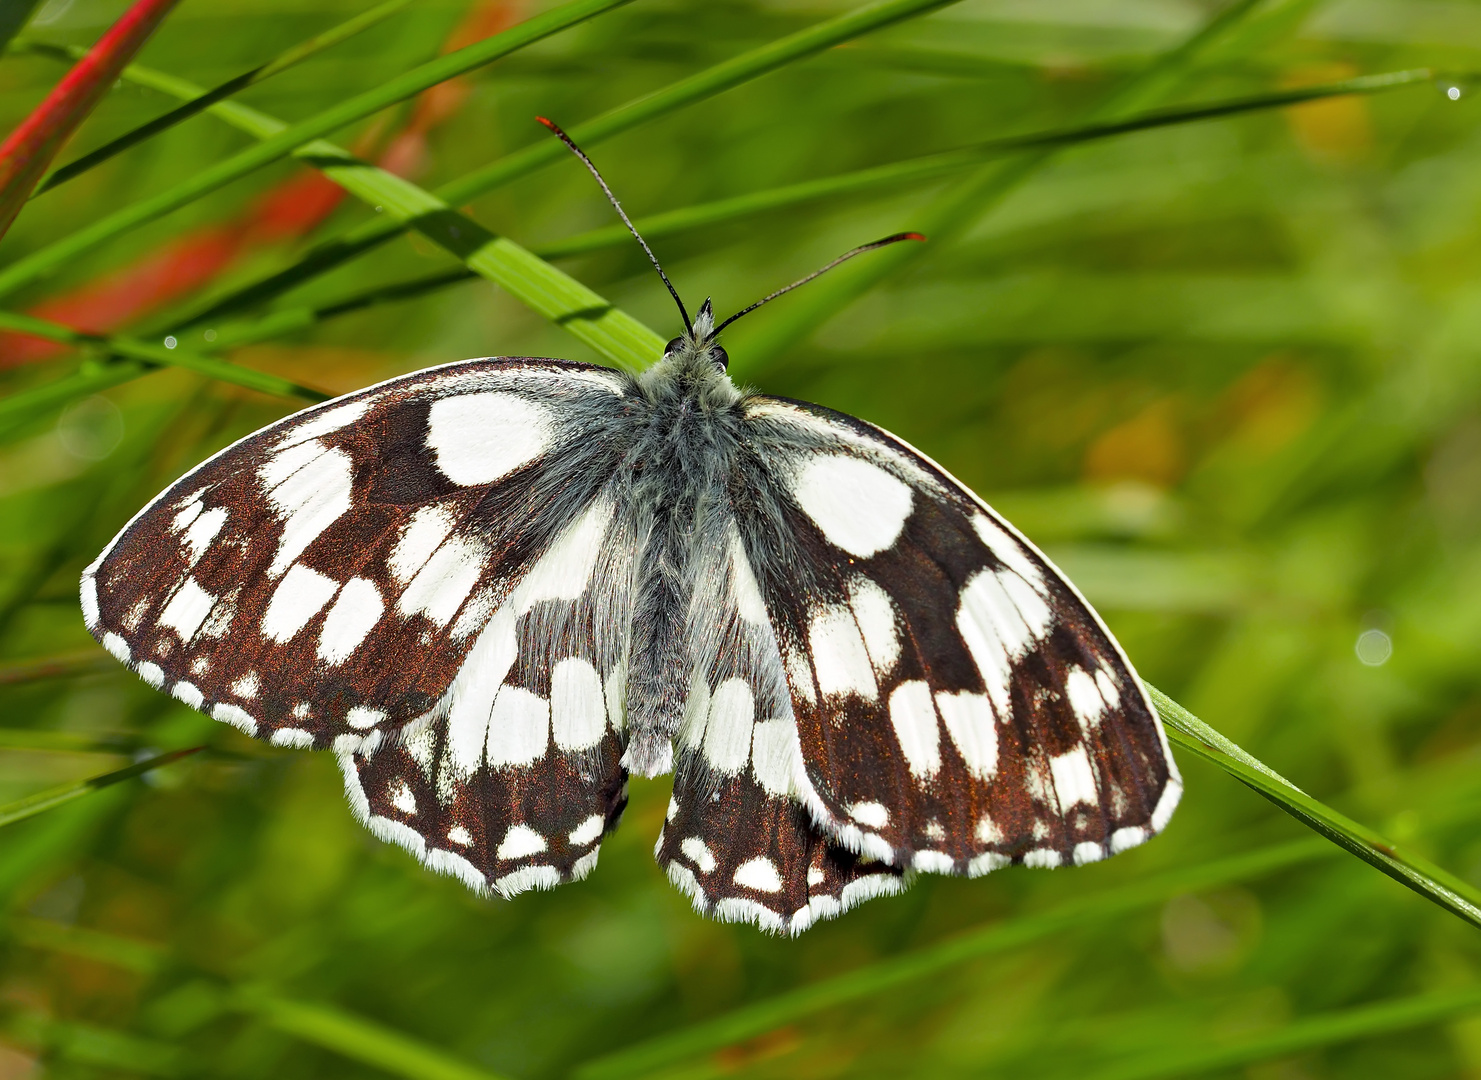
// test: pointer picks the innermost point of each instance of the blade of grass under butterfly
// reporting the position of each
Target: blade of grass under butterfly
(173, 356)
(1307, 1033)
(687, 91)
(1430, 881)
(953, 212)
(92, 377)
(285, 60)
(28, 150)
(33, 267)
(760, 1017)
(45, 800)
(360, 1039)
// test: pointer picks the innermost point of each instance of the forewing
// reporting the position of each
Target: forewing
(389, 571)
(959, 706)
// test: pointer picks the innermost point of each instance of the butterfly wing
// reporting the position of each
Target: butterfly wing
(736, 840)
(428, 576)
(958, 705)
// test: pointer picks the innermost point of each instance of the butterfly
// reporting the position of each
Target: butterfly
(497, 588)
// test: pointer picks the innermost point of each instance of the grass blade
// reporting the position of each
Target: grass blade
(285, 60)
(65, 793)
(33, 267)
(14, 15)
(28, 150)
(1310, 1033)
(360, 1039)
(954, 212)
(173, 356)
(760, 1017)
(1430, 881)
(705, 84)
(55, 667)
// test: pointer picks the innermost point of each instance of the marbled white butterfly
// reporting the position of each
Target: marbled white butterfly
(497, 587)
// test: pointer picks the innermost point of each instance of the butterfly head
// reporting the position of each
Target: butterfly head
(698, 342)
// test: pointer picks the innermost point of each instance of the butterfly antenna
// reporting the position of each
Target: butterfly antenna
(845, 257)
(553, 126)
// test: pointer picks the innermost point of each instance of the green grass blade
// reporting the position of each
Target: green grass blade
(954, 212)
(705, 84)
(26, 405)
(760, 1017)
(134, 349)
(87, 662)
(1311, 1033)
(285, 60)
(360, 1040)
(549, 292)
(1430, 881)
(131, 954)
(14, 14)
(33, 267)
(34, 804)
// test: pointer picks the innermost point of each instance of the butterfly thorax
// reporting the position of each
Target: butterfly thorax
(678, 481)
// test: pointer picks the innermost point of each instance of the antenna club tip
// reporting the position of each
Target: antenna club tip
(547, 122)
(913, 236)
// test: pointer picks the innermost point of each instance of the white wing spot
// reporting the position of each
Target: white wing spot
(479, 438)
(471, 698)
(587, 831)
(360, 718)
(776, 755)
(973, 729)
(858, 506)
(324, 423)
(932, 862)
(743, 585)
(578, 713)
(760, 874)
(1085, 699)
(151, 673)
(1074, 779)
(913, 717)
(355, 612)
(402, 798)
(698, 852)
(445, 580)
(562, 572)
(419, 538)
(202, 531)
(1107, 687)
(987, 830)
(1008, 551)
(461, 836)
(117, 647)
(519, 729)
(237, 718)
(189, 693)
(295, 738)
(875, 615)
(520, 841)
(1128, 837)
(838, 655)
(1043, 858)
(727, 737)
(187, 609)
(300, 596)
(875, 815)
(246, 687)
(1086, 852)
(311, 495)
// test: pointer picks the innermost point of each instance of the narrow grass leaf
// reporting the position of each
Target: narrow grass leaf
(29, 149)
(33, 267)
(34, 804)
(285, 60)
(173, 356)
(748, 1021)
(360, 1039)
(86, 662)
(131, 954)
(688, 91)
(14, 14)
(1430, 881)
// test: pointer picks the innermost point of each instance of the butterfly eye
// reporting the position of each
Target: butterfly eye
(673, 346)
(721, 357)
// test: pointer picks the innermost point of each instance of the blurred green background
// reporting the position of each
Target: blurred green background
(1228, 374)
